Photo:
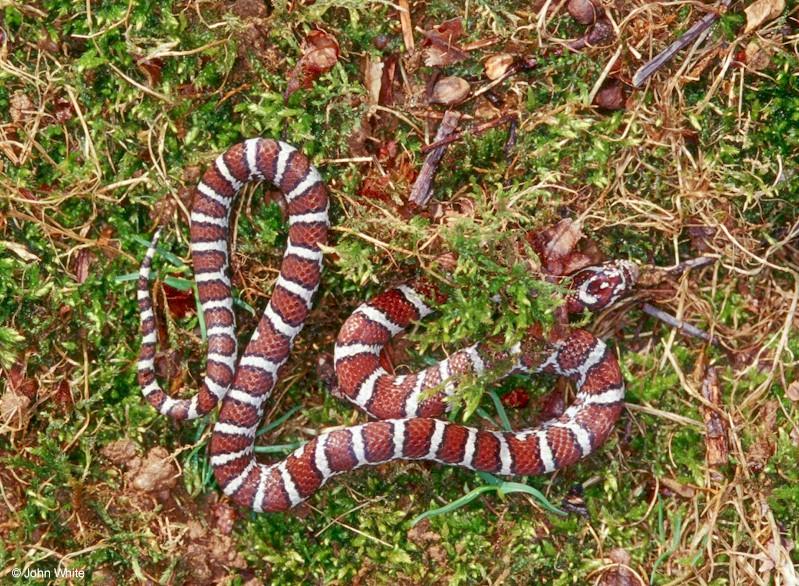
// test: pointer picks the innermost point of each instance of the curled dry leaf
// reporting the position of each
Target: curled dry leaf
(450, 90)
(610, 96)
(180, 302)
(373, 78)
(563, 239)
(63, 110)
(320, 52)
(15, 412)
(757, 57)
(601, 33)
(557, 248)
(19, 382)
(793, 391)
(152, 69)
(498, 65)
(620, 556)
(620, 574)
(82, 264)
(20, 250)
(440, 44)
(551, 405)
(583, 11)
(761, 12)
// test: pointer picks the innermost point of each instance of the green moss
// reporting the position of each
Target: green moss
(569, 160)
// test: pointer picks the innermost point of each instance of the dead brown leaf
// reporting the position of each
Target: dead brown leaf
(677, 487)
(620, 574)
(406, 24)
(761, 12)
(440, 44)
(373, 78)
(450, 90)
(320, 52)
(758, 57)
(792, 391)
(82, 264)
(15, 412)
(20, 250)
(715, 426)
(564, 238)
(180, 302)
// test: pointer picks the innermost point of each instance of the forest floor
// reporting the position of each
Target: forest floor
(110, 111)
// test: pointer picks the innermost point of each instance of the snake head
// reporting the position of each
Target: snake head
(595, 288)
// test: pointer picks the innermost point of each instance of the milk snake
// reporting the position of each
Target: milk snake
(406, 425)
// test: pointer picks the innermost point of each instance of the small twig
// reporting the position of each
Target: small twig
(692, 263)
(511, 142)
(716, 450)
(692, 34)
(448, 46)
(684, 327)
(480, 128)
(527, 64)
(423, 186)
(406, 25)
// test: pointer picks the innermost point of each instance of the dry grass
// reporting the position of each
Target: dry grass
(91, 153)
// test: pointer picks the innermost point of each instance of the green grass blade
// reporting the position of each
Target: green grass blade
(200, 314)
(503, 417)
(178, 283)
(244, 305)
(509, 487)
(171, 258)
(484, 415)
(126, 277)
(454, 505)
(277, 448)
(279, 421)
(490, 478)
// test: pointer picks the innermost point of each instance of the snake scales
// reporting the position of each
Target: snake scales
(406, 425)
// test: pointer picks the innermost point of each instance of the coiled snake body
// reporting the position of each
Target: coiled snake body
(407, 427)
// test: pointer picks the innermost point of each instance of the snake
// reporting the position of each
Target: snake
(408, 411)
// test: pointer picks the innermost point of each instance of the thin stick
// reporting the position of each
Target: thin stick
(682, 326)
(692, 34)
(423, 186)
(692, 263)
(407, 26)
(480, 128)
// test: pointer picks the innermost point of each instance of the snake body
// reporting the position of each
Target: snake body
(407, 406)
